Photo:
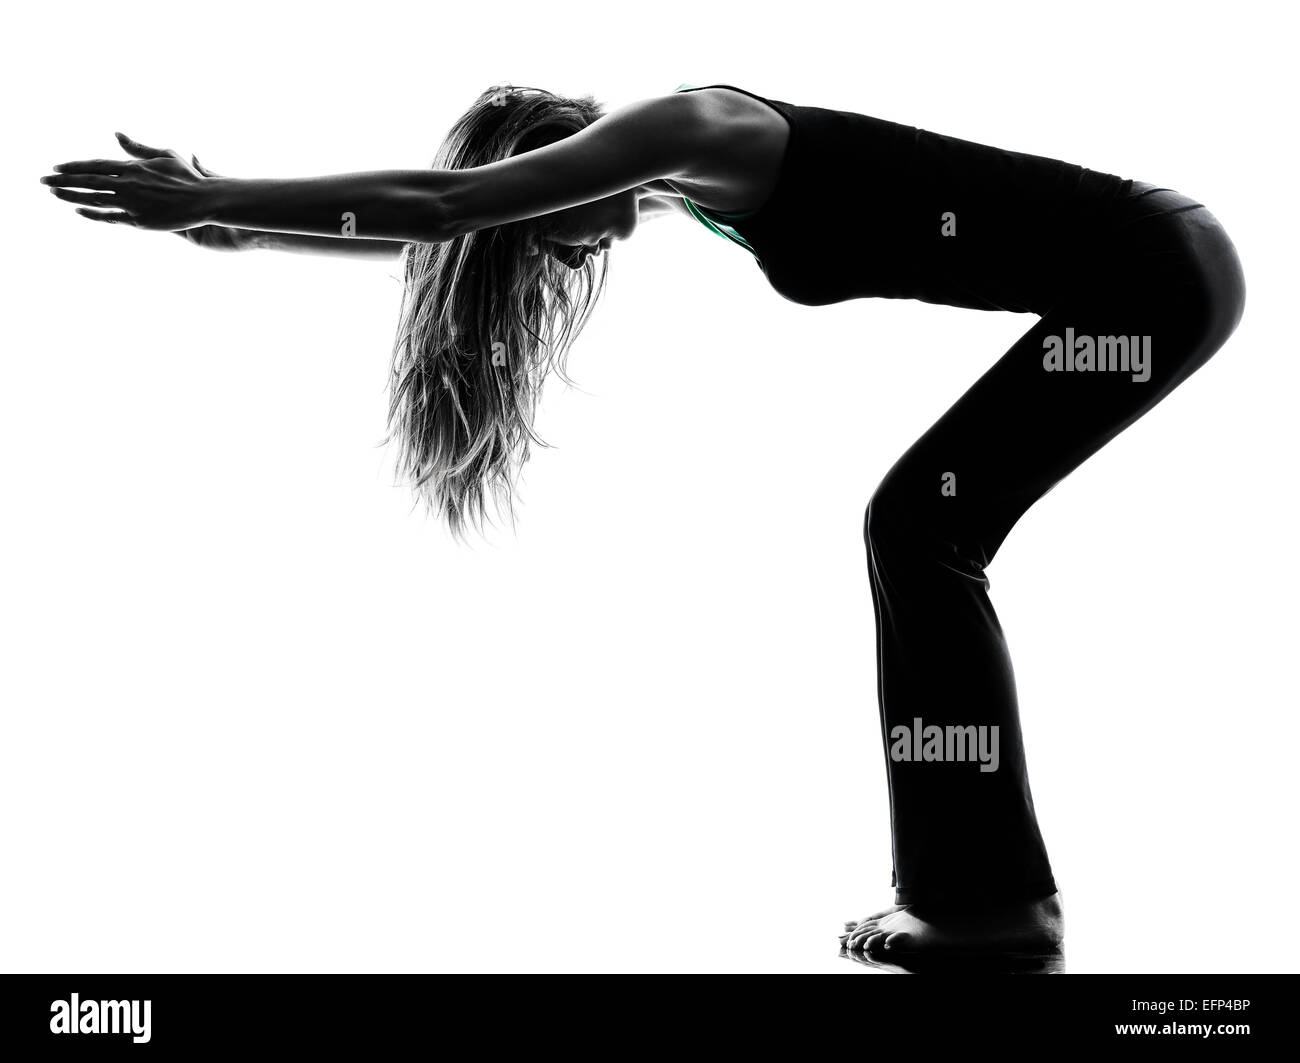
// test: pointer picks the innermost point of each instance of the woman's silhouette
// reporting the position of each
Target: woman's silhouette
(1134, 286)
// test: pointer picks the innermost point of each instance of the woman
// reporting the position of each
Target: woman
(1135, 287)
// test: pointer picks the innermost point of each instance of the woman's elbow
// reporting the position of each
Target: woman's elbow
(420, 214)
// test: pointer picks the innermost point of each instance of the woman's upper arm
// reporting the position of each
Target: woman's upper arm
(660, 137)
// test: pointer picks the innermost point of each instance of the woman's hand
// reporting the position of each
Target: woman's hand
(156, 190)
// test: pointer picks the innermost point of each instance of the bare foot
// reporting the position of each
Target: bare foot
(1030, 927)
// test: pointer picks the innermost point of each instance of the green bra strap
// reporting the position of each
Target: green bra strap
(725, 231)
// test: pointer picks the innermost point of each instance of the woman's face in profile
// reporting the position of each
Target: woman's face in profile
(575, 234)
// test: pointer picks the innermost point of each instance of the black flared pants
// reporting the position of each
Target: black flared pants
(1168, 281)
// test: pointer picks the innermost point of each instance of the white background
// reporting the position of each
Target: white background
(260, 715)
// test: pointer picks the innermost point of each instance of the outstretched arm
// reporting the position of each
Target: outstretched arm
(662, 137)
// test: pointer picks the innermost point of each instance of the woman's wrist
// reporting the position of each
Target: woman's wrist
(215, 198)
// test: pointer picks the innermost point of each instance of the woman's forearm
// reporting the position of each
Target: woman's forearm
(324, 245)
(388, 205)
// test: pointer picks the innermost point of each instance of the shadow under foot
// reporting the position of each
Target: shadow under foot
(961, 963)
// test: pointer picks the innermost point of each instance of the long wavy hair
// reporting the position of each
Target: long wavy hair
(485, 319)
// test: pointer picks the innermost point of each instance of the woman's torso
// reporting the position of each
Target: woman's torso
(865, 208)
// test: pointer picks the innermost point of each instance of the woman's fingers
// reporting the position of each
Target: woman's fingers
(106, 166)
(141, 151)
(87, 199)
(114, 216)
(100, 182)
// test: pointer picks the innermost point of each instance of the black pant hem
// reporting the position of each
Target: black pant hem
(976, 896)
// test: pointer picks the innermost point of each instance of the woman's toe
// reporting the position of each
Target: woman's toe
(898, 942)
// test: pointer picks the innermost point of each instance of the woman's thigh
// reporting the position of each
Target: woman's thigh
(1147, 312)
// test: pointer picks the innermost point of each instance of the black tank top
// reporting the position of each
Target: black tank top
(865, 208)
